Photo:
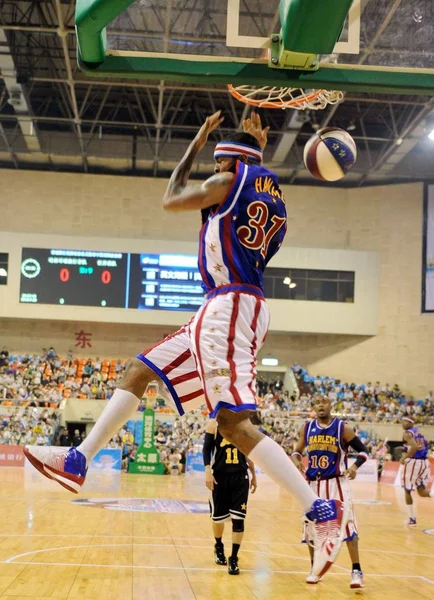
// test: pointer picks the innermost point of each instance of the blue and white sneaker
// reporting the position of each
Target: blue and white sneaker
(327, 520)
(411, 522)
(66, 467)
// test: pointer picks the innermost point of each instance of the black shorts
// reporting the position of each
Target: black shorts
(229, 496)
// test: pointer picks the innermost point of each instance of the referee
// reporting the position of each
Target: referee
(226, 475)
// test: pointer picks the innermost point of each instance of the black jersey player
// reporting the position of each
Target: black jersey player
(226, 476)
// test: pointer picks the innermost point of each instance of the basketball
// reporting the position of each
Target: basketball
(330, 153)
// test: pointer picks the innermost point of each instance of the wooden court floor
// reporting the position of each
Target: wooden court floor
(107, 549)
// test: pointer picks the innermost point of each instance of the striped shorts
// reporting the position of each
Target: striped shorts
(337, 489)
(415, 474)
(212, 359)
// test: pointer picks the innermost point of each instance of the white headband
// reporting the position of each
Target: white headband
(408, 419)
(234, 149)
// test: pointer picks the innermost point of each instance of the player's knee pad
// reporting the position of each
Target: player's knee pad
(237, 525)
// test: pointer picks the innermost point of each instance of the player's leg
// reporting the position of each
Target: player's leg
(219, 549)
(308, 538)
(410, 507)
(219, 503)
(237, 538)
(226, 335)
(423, 492)
(170, 361)
(356, 570)
(422, 480)
(239, 494)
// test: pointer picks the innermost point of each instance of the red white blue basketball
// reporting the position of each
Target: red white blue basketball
(330, 153)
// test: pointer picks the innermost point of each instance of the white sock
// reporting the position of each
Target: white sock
(121, 406)
(432, 493)
(411, 511)
(271, 459)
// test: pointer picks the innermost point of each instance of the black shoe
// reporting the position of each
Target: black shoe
(219, 555)
(233, 566)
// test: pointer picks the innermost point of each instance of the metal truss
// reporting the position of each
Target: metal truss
(140, 127)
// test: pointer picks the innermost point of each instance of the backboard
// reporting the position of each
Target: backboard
(383, 46)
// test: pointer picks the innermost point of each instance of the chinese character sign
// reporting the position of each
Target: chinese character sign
(83, 339)
(147, 459)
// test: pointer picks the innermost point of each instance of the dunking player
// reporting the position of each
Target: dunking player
(226, 475)
(212, 359)
(416, 466)
(326, 440)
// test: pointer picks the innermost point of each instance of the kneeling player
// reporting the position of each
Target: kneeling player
(326, 440)
(227, 477)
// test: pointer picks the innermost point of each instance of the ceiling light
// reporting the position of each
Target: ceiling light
(269, 362)
(288, 281)
(3, 273)
(399, 141)
(351, 126)
(431, 135)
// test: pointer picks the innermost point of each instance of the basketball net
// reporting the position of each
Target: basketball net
(285, 97)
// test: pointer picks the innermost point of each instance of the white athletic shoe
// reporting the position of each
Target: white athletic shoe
(312, 578)
(67, 467)
(356, 580)
(327, 519)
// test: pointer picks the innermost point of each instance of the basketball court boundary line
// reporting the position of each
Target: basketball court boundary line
(12, 560)
(213, 569)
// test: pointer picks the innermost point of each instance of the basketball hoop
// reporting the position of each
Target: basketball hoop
(284, 97)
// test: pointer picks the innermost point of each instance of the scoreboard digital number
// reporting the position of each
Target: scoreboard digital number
(110, 279)
(73, 277)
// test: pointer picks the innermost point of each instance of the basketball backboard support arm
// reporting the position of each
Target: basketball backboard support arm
(93, 16)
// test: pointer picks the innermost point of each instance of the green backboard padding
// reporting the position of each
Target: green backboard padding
(91, 19)
(312, 26)
(204, 72)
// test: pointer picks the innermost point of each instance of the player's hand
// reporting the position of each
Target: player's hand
(351, 472)
(253, 485)
(299, 464)
(211, 123)
(253, 126)
(209, 480)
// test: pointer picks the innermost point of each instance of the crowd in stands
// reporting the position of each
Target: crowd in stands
(46, 379)
(30, 381)
(366, 402)
(21, 426)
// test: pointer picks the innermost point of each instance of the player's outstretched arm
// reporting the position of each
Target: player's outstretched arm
(253, 126)
(297, 455)
(179, 194)
(412, 447)
(197, 197)
(208, 447)
(253, 481)
(355, 442)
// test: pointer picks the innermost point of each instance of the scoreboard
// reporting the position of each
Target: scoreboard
(110, 279)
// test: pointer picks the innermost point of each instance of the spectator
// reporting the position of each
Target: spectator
(64, 438)
(76, 439)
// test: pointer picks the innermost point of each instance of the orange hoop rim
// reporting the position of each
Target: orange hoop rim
(301, 101)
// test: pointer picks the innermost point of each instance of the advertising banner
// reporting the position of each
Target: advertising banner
(368, 472)
(11, 456)
(194, 463)
(147, 459)
(390, 472)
